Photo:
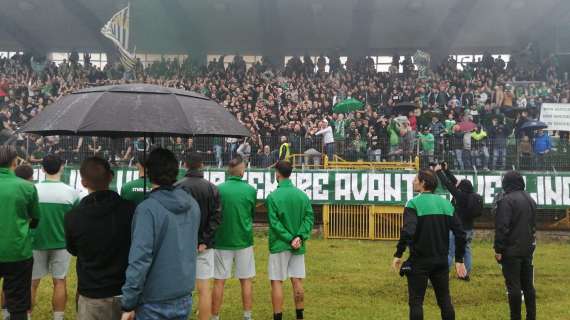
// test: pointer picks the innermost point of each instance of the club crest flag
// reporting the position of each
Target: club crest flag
(117, 30)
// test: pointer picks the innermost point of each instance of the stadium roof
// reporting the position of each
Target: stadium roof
(284, 26)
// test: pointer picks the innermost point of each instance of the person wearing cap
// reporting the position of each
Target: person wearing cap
(19, 214)
(515, 242)
(290, 224)
(328, 138)
(134, 189)
(208, 198)
(50, 255)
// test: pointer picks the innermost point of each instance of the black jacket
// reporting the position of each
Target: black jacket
(460, 195)
(98, 232)
(515, 219)
(208, 198)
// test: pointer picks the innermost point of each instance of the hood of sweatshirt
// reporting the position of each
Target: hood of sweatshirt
(173, 199)
(513, 181)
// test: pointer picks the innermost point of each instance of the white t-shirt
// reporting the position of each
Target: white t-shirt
(327, 135)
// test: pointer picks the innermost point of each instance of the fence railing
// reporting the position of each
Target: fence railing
(262, 152)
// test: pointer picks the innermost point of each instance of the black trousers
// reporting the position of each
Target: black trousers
(17, 287)
(438, 274)
(519, 274)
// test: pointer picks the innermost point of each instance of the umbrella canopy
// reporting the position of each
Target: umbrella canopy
(135, 110)
(533, 125)
(405, 108)
(348, 105)
(467, 126)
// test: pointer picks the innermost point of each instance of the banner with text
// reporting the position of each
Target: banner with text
(556, 116)
(363, 187)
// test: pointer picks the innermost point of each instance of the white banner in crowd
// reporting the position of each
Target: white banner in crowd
(556, 116)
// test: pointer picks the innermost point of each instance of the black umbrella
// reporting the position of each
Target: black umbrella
(533, 125)
(405, 108)
(134, 110)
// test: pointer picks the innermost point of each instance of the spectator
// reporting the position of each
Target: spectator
(208, 198)
(541, 147)
(498, 135)
(287, 236)
(266, 158)
(284, 149)
(328, 139)
(244, 150)
(161, 271)
(479, 148)
(427, 144)
(465, 207)
(525, 153)
(515, 242)
(234, 239)
(19, 214)
(437, 129)
(50, 256)
(97, 232)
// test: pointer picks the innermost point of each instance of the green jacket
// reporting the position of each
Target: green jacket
(290, 215)
(19, 199)
(238, 200)
(427, 141)
(134, 190)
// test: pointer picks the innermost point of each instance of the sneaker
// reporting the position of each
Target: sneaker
(466, 278)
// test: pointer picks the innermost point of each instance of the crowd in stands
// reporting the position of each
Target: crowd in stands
(469, 116)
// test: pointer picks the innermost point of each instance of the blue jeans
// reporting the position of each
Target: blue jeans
(499, 156)
(177, 309)
(329, 148)
(459, 158)
(468, 259)
(218, 155)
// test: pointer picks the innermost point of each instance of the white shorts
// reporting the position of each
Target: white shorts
(224, 259)
(285, 265)
(205, 265)
(54, 262)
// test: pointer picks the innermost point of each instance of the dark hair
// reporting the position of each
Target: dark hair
(162, 167)
(24, 171)
(233, 164)
(7, 156)
(429, 179)
(51, 164)
(97, 173)
(284, 168)
(194, 161)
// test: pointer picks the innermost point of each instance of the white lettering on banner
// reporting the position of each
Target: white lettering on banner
(480, 187)
(342, 186)
(217, 177)
(540, 190)
(393, 193)
(375, 187)
(566, 191)
(270, 183)
(119, 180)
(490, 183)
(319, 193)
(359, 194)
(304, 182)
(207, 175)
(553, 196)
(254, 178)
(409, 178)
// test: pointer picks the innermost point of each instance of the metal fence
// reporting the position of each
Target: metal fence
(463, 154)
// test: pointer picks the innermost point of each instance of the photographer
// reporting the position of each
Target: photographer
(468, 206)
(428, 220)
